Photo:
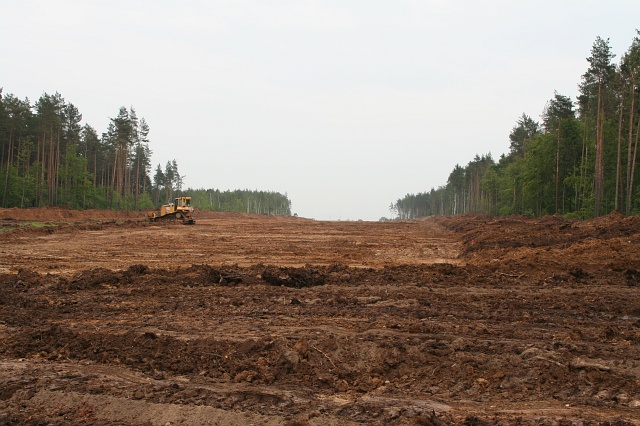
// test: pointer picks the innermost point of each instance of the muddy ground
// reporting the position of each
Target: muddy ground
(240, 320)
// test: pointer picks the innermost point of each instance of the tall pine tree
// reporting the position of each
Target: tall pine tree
(596, 80)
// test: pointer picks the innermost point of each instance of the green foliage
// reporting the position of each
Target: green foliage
(145, 202)
(524, 130)
(47, 158)
(574, 166)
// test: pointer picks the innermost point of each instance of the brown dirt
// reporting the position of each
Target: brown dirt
(241, 319)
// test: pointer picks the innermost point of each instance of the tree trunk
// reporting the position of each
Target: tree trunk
(57, 169)
(633, 164)
(619, 162)
(6, 177)
(584, 161)
(137, 192)
(113, 176)
(50, 171)
(599, 178)
(557, 167)
(38, 175)
(514, 196)
(629, 149)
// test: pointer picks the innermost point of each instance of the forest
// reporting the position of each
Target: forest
(579, 161)
(49, 158)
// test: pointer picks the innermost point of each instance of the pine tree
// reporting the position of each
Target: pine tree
(598, 76)
(524, 129)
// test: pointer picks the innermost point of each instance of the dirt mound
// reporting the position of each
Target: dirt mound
(55, 214)
(481, 232)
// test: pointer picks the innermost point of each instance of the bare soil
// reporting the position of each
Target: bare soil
(264, 320)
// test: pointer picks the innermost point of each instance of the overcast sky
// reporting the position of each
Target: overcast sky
(346, 106)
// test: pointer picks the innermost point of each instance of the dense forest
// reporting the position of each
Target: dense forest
(579, 161)
(48, 158)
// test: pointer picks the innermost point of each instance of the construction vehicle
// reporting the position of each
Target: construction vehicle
(180, 210)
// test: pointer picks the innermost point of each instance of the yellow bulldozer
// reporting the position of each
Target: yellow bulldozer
(179, 210)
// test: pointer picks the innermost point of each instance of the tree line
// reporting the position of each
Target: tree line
(49, 158)
(241, 201)
(579, 161)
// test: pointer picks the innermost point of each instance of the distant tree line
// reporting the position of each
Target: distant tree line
(48, 158)
(241, 201)
(580, 161)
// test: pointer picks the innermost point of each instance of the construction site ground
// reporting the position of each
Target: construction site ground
(269, 320)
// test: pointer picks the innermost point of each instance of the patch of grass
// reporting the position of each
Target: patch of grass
(26, 225)
(36, 224)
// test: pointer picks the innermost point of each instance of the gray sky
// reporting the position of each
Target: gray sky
(344, 105)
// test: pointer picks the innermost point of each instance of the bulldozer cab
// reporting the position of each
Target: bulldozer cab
(183, 202)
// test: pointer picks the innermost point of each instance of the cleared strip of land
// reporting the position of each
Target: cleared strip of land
(245, 319)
